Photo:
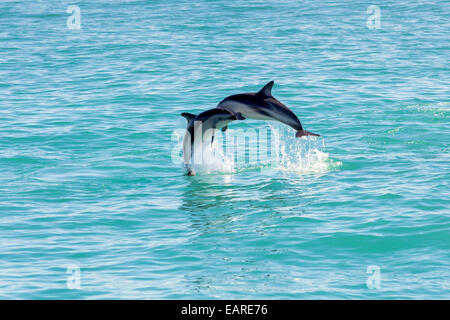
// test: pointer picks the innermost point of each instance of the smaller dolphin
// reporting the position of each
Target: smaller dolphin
(202, 127)
(263, 106)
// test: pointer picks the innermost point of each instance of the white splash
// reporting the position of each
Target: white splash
(213, 158)
(301, 155)
(273, 148)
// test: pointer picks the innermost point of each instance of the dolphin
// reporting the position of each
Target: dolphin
(263, 106)
(202, 127)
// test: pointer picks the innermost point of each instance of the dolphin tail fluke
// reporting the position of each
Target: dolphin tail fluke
(304, 133)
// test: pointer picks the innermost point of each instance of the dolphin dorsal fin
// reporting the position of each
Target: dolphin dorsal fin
(266, 91)
(188, 116)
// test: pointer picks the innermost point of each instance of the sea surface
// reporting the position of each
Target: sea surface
(94, 200)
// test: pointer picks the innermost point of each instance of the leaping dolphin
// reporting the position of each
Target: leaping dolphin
(263, 106)
(202, 127)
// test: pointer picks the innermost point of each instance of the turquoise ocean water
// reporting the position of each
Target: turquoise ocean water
(91, 188)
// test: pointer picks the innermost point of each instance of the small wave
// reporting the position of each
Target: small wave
(442, 107)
